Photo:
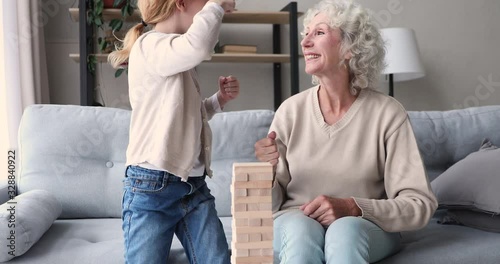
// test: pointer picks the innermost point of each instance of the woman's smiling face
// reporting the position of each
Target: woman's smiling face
(321, 47)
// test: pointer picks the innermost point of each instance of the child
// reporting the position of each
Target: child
(169, 147)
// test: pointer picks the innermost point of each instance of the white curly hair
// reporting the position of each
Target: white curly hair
(360, 36)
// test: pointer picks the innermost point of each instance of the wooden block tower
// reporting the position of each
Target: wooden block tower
(252, 213)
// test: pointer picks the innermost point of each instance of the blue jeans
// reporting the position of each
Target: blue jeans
(299, 239)
(156, 205)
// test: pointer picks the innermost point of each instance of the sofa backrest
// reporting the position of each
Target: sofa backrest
(76, 153)
(234, 137)
(445, 137)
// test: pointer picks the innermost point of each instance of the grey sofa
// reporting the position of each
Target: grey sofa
(78, 154)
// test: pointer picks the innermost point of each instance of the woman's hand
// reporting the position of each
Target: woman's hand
(227, 5)
(266, 149)
(229, 89)
(326, 209)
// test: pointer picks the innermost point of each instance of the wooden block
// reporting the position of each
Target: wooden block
(239, 208)
(254, 245)
(258, 192)
(255, 237)
(267, 222)
(240, 222)
(266, 192)
(252, 176)
(253, 229)
(255, 252)
(253, 214)
(241, 176)
(253, 166)
(254, 192)
(253, 207)
(241, 252)
(267, 252)
(259, 207)
(253, 184)
(261, 252)
(266, 207)
(254, 259)
(268, 236)
(260, 176)
(254, 222)
(240, 192)
(242, 238)
(255, 171)
(253, 199)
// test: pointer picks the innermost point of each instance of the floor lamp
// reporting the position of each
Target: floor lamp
(402, 56)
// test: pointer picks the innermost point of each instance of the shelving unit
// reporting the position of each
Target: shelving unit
(245, 58)
(288, 15)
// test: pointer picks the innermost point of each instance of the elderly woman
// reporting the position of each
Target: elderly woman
(348, 175)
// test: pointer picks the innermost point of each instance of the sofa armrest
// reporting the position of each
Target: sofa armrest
(4, 193)
(24, 220)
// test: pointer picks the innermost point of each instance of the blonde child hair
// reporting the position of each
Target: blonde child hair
(152, 12)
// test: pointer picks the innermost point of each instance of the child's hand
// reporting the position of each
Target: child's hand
(227, 5)
(229, 88)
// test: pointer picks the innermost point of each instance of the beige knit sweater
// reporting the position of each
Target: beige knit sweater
(169, 125)
(370, 155)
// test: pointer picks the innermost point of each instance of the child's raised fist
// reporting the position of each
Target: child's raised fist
(227, 5)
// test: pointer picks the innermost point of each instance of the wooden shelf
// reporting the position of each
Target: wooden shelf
(236, 17)
(235, 58)
(251, 58)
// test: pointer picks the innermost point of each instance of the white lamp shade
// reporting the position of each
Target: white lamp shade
(402, 54)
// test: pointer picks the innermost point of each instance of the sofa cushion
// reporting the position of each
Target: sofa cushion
(445, 137)
(23, 221)
(447, 244)
(76, 153)
(472, 183)
(78, 241)
(234, 137)
(92, 241)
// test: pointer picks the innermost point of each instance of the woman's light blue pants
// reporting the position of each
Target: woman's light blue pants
(299, 239)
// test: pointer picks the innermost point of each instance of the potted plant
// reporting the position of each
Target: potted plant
(95, 17)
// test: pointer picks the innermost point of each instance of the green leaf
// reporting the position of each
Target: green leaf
(98, 22)
(113, 22)
(116, 24)
(130, 10)
(117, 3)
(102, 43)
(119, 26)
(119, 72)
(124, 11)
(99, 6)
(91, 63)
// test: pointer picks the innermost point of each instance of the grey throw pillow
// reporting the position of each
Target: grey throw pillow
(472, 183)
(24, 219)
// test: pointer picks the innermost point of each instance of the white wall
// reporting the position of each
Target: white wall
(458, 40)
